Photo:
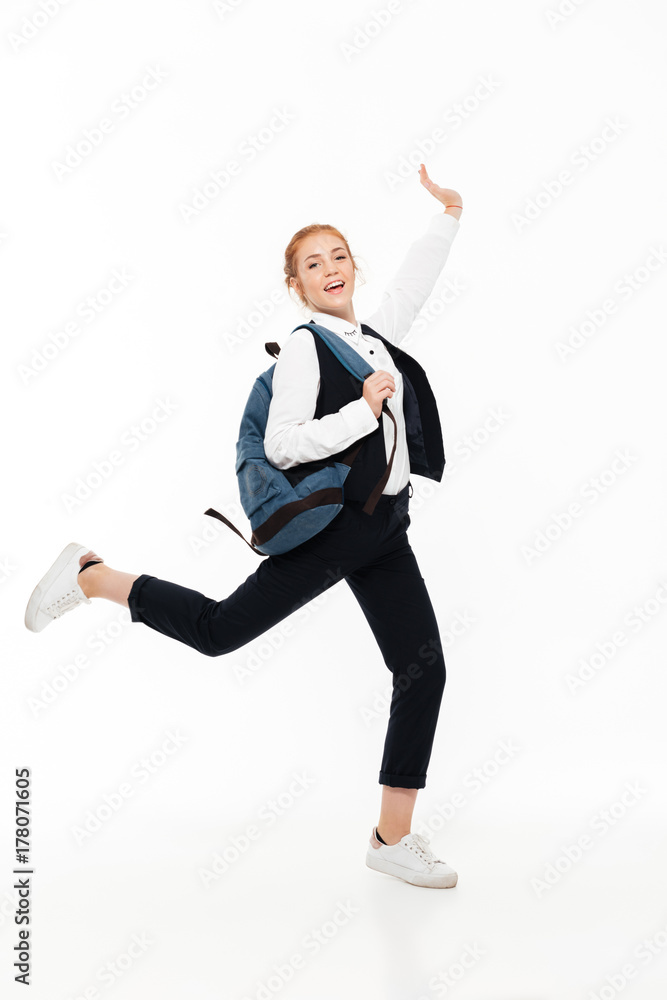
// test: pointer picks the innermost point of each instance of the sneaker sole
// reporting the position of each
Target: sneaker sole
(34, 619)
(414, 878)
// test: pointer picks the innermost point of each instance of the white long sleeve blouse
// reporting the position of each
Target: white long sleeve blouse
(292, 435)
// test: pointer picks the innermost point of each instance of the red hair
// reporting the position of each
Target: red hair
(293, 247)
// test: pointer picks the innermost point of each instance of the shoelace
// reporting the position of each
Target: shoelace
(420, 846)
(63, 604)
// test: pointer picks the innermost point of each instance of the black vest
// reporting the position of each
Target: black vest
(422, 421)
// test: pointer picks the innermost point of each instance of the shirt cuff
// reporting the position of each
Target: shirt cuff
(322, 437)
(444, 224)
(359, 417)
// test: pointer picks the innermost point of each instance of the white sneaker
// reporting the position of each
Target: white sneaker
(412, 860)
(58, 591)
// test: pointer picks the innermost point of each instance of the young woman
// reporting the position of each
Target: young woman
(316, 412)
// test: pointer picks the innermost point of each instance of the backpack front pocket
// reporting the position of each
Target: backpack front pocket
(256, 487)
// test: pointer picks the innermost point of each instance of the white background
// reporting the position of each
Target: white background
(520, 96)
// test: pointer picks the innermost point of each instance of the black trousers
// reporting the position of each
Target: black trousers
(373, 555)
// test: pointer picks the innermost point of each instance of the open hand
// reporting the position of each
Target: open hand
(447, 196)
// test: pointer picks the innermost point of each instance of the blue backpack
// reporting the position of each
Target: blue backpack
(285, 508)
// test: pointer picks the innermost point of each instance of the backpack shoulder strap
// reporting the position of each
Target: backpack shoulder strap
(346, 355)
(350, 359)
(355, 364)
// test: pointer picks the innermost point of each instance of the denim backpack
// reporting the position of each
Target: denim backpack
(285, 508)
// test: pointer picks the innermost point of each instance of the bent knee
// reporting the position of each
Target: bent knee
(209, 648)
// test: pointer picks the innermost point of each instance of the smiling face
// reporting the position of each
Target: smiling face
(323, 263)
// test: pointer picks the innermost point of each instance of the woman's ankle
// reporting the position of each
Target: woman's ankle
(390, 835)
(88, 578)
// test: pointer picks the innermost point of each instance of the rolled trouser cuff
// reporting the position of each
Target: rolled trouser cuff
(403, 780)
(132, 598)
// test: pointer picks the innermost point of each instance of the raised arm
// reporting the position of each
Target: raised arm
(416, 276)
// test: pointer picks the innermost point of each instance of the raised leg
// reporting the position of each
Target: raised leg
(99, 580)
